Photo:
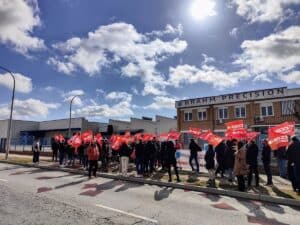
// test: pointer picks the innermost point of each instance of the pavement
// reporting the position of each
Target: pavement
(280, 193)
(37, 196)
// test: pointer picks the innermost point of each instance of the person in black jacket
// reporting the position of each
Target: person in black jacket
(229, 158)
(171, 160)
(290, 154)
(210, 165)
(151, 151)
(266, 159)
(220, 155)
(54, 147)
(139, 154)
(194, 148)
(124, 152)
(251, 159)
(295, 153)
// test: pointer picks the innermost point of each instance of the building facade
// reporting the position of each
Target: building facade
(259, 109)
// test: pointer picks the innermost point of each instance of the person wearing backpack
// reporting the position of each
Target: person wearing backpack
(93, 156)
(194, 148)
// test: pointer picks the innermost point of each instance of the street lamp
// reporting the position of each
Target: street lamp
(11, 110)
(69, 132)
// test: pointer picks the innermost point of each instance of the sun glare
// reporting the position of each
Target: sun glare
(200, 9)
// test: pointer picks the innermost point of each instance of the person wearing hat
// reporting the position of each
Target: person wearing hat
(266, 159)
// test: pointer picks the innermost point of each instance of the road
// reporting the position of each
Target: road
(35, 196)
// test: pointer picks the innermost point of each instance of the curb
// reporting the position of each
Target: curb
(234, 194)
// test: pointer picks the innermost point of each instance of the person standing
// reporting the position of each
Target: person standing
(62, 150)
(139, 154)
(124, 158)
(54, 147)
(229, 159)
(210, 165)
(295, 149)
(220, 155)
(251, 159)
(280, 154)
(194, 148)
(266, 159)
(171, 160)
(36, 149)
(290, 154)
(151, 151)
(93, 156)
(240, 166)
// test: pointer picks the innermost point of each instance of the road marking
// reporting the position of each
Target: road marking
(3, 180)
(127, 213)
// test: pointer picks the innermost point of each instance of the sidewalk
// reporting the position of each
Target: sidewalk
(281, 192)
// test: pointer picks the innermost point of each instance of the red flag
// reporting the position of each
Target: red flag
(174, 135)
(279, 141)
(127, 134)
(147, 137)
(163, 137)
(87, 136)
(214, 140)
(61, 138)
(206, 135)
(287, 128)
(196, 132)
(238, 134)
(98, 138)
(118, 140)
(75, 141)
(236, 124)
(252, 135)
(56, 137)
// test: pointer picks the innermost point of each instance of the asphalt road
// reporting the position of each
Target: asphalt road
(35, 196)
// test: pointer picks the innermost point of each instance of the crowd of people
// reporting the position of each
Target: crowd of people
(231, 160)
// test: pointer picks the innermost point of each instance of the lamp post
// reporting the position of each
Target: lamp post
(11, 111)
(69, 132)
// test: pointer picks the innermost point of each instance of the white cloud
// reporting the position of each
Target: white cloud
(17, 21)
(200, 9)
(187, 74)
(162, 102)
(119, 96)
(120, 42)
(263, 10)
(169, 29)
(69, 95)
(134, 90)
(28, 109)
(23, 83)
(234, 32)
(262, 77)
(120, 109)
(276, 53)
(49, 88)
(291, 77)
(207, 59)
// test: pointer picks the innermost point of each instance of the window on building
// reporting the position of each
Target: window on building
(267, 110)
(223, 113)
(240, 112)
(202, 115)
(188, 116)
(288, 107)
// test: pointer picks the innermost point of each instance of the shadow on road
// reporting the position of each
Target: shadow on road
(163, 193)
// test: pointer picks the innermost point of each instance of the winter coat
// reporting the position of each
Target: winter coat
(220, 153)
(210, 159)
(171, 151)
(194, 148)
(150, 150)
(280, 153)
(240, 165)
(293, 152)
(229, 157)
(252, 154)
(139, 150)
(266, 154)
(124, 150)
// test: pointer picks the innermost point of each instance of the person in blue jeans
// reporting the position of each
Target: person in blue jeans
(280, 154)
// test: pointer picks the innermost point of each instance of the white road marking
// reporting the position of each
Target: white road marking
(3, 180)
(127, 213)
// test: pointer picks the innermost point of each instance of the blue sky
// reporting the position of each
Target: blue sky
(135, 58)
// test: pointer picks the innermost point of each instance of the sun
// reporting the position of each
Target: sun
(200, 9)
